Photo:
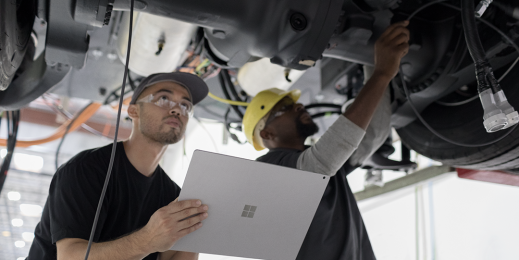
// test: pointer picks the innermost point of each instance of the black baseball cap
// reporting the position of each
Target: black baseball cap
(195, 85)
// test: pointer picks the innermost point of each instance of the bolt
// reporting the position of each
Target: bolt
(298, 21)
(102, 91)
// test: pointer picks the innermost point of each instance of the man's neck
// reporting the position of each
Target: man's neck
(293, 144)
(144, 154)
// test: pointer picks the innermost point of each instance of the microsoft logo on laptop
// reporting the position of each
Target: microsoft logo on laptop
(248, 211)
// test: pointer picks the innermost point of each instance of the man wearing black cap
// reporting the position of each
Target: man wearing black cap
(140, 216)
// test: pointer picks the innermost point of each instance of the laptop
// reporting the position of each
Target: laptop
(256, 210)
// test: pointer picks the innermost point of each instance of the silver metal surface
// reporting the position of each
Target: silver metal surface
(285, 199)
(405, 181)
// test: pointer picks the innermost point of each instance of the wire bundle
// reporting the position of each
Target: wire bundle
(13, 120)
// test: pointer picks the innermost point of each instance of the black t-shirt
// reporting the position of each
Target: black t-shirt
(337, 231)
(131, 199)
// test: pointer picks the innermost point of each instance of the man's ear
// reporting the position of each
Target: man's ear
(133, 111)
(266, 134)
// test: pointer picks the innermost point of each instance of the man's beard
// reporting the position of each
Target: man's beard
(151, 130)
(306, 130)
(166, 138)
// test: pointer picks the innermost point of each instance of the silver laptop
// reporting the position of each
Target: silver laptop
(256, 210)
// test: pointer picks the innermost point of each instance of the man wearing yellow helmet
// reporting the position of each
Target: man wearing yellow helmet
(275, 121)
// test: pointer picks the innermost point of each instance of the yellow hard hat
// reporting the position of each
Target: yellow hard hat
(259, 107)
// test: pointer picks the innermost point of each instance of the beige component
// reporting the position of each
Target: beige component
(260, 75)
(150, 32)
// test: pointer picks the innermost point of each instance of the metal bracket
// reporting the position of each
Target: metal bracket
(67, 40)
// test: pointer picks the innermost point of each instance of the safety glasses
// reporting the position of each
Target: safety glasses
(280, 108)
(164, 101)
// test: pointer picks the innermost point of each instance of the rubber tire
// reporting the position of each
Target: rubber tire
(465, 124)
(16, 22)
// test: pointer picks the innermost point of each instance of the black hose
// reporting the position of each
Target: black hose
(13, 120)
(476, 50)
(228, 127)
(231, 86)
(471, 32)
(321, 114)
(330, 105)
(226, 93)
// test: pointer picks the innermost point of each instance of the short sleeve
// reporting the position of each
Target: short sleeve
(73, 198)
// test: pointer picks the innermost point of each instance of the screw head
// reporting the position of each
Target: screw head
(298, 21)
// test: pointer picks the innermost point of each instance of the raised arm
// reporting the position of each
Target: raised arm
(165, 227)
(339, 142)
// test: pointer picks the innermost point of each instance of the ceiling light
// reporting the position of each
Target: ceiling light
(31, 210)
(27, 162)
(17, 222)
(28, 236)
(13, 195)
(19, 244)
(6, 233)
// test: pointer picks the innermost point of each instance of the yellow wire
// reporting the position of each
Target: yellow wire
(226, 101)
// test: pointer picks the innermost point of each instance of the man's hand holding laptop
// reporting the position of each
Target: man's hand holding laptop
(172, 222)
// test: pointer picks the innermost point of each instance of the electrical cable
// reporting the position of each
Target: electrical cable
(321, 114)
(404, 85)
(330, 105)
(226, 93)
(227, 101)
(514, 45)
(13, 120)
(231, 85)
(67, 115)
(60, 131)
(208, 133)
(65, 134)
(114, 146)
(457, 103)
(440, 135)
(228, 127)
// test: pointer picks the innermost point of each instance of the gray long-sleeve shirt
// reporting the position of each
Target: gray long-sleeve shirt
(344, 140)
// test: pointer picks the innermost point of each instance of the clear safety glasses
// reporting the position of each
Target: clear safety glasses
(282, 107)
(164, 101)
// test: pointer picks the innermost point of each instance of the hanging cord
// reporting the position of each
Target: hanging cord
(404, 85)
(230, 84)
(56, 162)
(114, 146)
(228, 127)
(223, 84)
(13, 120)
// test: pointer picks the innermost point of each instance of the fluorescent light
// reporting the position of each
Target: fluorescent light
(17, 222)
(3, 153)
(28, 236)
(6, 233)
(13, 195)
(19, 244)
(31, 210)
(27, 162)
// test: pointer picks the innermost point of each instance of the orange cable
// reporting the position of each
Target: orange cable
(81, 118)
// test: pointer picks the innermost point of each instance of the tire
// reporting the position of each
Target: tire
(464, 124)
(16, 22)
